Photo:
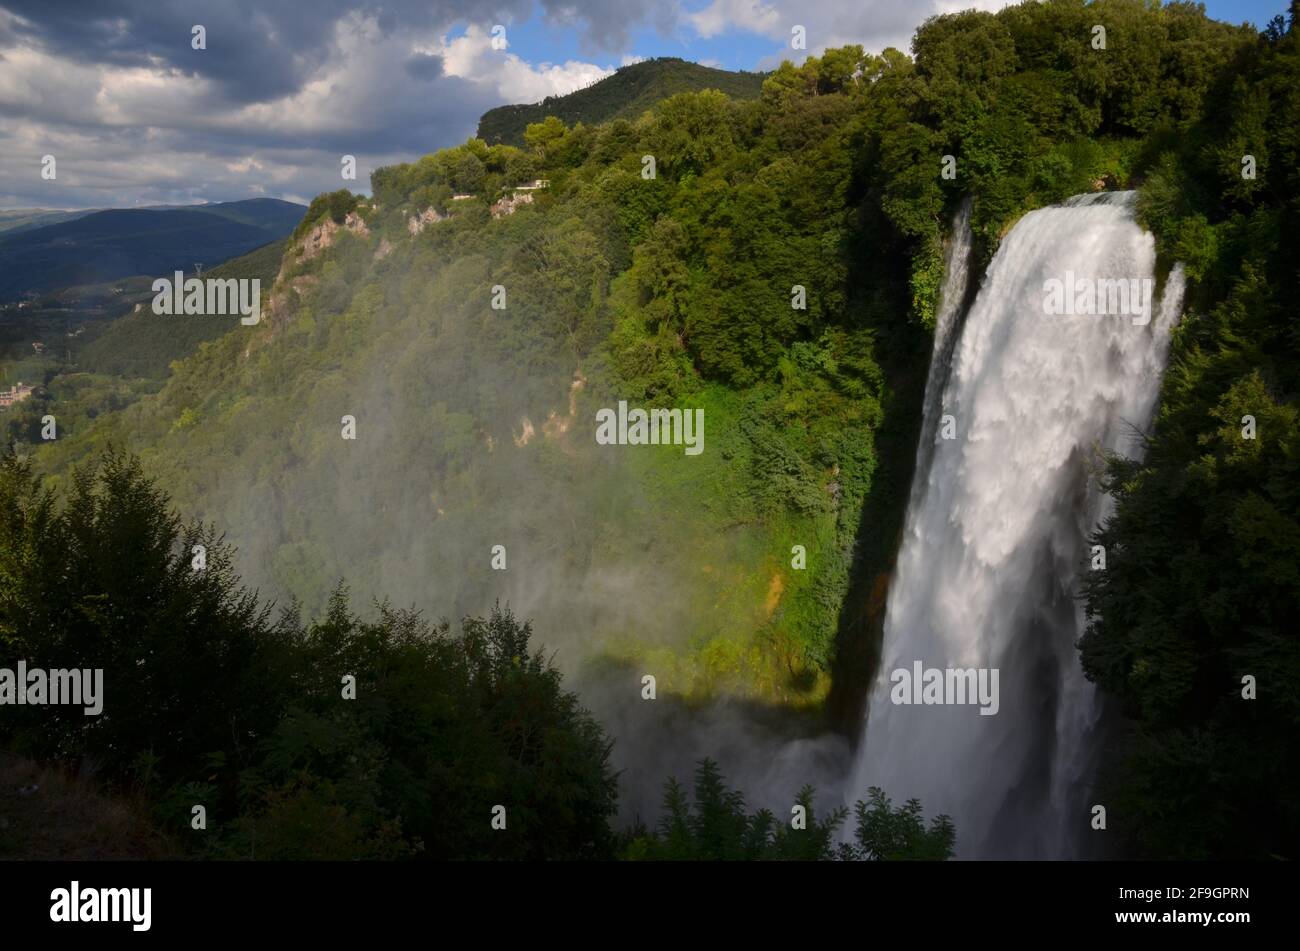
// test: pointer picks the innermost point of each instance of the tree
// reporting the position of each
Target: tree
(886, 833)
(204, 700)
(334, 205)
(714, 825)
(542, 137)
(467, 174)
(692, 132)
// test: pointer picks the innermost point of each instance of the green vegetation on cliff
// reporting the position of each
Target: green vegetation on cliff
(475, 424)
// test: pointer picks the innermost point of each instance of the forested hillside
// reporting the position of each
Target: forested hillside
(1201, 595)
(471, 353)
(473, 424)
(130, 357)
(625, 95)
(144, 344)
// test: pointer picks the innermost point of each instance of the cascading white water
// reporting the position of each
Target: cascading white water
(997, 533)
(952, 298)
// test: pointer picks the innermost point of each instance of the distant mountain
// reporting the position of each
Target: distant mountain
(625, 95)
(106, 245)
(14, 220)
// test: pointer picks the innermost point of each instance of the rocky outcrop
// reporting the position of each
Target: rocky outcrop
(527, 433)
(417, 223)
(321, 237)
(326, 233)
(356, 224)
(507, 205)
(556, 425)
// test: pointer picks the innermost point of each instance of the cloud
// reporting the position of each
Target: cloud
(254, 50)
(875, 24)
(472, 56)
(751, 16)
(133, 123)
(606, 25)
(423, 66)
(134, 114)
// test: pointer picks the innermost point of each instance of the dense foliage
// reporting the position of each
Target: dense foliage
(209, 702)
(681, 289)
(714, 825)
(1202, 587)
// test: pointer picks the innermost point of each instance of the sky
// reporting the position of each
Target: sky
(135, 115)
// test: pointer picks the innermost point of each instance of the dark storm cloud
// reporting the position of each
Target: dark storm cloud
(114, 89)
(256, 50)
(133, 113)
(606, 24)
(423, 66)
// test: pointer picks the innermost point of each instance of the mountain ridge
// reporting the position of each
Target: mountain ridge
(120, 242)
(627, 93)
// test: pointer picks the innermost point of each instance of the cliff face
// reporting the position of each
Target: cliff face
(323, 235)
(415, 224)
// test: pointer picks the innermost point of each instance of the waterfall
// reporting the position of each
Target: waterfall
(997, 533)
(952, 296)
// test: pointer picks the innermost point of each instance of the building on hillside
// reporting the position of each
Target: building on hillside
(15, 394)
(461, 197)
(519, 195)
